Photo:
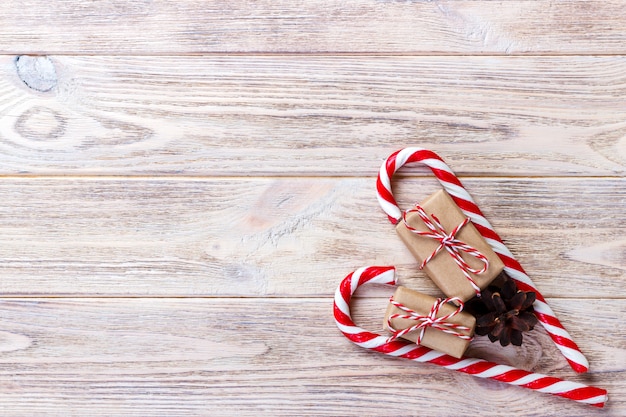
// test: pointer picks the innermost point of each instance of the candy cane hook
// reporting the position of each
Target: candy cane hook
(477, 367)
(461, 197)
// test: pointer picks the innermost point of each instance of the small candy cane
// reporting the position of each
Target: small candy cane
(461, 197)
(477, 367)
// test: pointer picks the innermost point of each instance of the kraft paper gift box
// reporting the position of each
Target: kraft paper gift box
(433, 338)
(442, 269)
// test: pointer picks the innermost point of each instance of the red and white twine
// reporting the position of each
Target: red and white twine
(449, 242)
(461, 197)
(477, 367)
(429, 320)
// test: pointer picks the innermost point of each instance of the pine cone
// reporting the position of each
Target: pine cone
(503, 311)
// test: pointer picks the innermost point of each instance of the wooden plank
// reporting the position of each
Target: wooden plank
(193, 26)
(284, 237)
(293, 115)
(279, 357)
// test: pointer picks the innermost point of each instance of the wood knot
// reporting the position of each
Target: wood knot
(37, 72)
(41, 123)
(10, 342)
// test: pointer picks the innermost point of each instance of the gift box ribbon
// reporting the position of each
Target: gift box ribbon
(429, 320)
(449, 242)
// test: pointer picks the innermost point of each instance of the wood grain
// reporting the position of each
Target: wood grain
(223, 357)
(283, 237)
(244, 115)
(193, 26)
(184, 184)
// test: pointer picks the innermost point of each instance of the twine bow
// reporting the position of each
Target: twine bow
(430, 320)
(449, 241)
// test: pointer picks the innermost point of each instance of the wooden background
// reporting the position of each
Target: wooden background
(184, 184)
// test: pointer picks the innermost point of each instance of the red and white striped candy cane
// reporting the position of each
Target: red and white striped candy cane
(461, 197)
(477, 367)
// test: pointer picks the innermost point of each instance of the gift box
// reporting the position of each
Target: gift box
(451, 336)
(446, 272)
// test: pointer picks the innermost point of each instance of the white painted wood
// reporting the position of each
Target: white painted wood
(282, 357)
(184, 184)
(194, 27)
(286, 237)
(315, 116)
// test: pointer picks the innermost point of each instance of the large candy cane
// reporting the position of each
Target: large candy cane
(477, 367)
(461, 197)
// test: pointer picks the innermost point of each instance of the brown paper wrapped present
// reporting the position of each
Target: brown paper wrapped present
(442, 268)
(433, 337)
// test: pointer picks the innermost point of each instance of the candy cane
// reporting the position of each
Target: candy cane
(461, 197)
(477, 367)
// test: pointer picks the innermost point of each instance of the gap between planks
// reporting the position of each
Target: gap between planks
(69, 297)
(296, 54)
(199, 177)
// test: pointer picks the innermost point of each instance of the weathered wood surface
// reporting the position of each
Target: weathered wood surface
(279, 357)
(286, 237)
(315, 116)
(184, 184)
(195, 26)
